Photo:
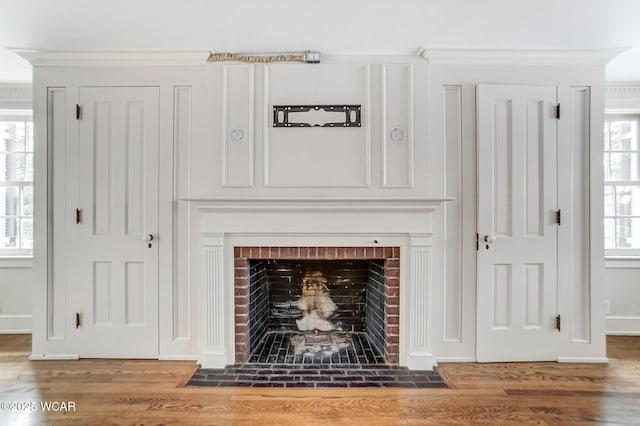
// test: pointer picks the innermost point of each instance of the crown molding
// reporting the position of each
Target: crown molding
(526, 57)
(150, 57)
(622, 98)
(16, 96)
(108, 57)
(163, 57)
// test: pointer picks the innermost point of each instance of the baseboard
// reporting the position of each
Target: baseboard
(213, 359)
(583, 360)
(178, 358)
(623, 326)
(456, 359)
(15, 324)
(420, 361)
(53, 357)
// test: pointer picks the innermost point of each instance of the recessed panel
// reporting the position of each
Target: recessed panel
(238, 105)
(102, 150)
(397, 126)
(453, 313)
(102, 293)
(134, 293)
(182, 141)
(57, 287)
(580, 142)
(134, 180)
(534, 164)
(533, 294)
(502, 280)
(337, 157)
(502, 167)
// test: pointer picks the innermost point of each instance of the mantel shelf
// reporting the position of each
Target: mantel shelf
(314, 204)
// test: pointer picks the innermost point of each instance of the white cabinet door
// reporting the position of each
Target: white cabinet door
(114, 270)
(517, 230)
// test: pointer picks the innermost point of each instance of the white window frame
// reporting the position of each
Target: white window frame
(621, 99)
(16, 253)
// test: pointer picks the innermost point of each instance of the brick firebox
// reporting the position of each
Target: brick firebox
(390, 256)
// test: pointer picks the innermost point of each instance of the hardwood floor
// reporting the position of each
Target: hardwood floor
(151, 392)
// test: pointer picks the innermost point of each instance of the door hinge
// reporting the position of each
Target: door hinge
(557, 108)
(78, 111)
(78, 320)
(558, 322)
(477, 241)
(78, 216)
(559, 217)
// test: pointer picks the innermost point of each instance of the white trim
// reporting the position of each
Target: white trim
(110, 57)
(15, 324)
(446, 359)
(623, 325)
(314, 205)
(213, 359)
(525, 57)
(614, 262)
(147, 57)
(16, 96)
(53, 357)
(178, 358)
(585, 359)
(622, 98)
(420, 360)
(7, 262)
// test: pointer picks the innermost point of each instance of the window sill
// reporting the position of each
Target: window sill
(7, 262)
(622, 262)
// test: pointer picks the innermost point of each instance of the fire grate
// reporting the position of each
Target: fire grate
(325, 348)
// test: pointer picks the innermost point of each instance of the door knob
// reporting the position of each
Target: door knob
(489, 239)
(147, 238)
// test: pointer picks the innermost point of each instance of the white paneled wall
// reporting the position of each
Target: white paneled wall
(227, 175)
(248, 156)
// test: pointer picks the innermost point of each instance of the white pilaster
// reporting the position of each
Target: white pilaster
(419, 355)
(211, 312)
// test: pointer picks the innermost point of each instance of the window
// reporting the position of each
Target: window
(16, 183)
(622, 185)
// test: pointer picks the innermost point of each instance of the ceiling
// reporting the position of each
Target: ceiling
(330, 26)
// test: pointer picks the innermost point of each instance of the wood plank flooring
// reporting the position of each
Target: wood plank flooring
(128, 392)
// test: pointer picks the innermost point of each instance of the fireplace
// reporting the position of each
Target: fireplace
(358, 291)
(230, 237)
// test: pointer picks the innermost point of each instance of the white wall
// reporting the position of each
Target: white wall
(622, 297)
(15, 296)
(622, 276)
(15, 274)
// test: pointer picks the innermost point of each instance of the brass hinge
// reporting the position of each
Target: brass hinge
(78, 111)
(557, 112)
(559, 217)
(78, 216)
(558, 322)
(78, 320)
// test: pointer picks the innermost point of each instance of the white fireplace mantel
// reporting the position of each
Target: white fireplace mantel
(318, 205)
(219, 225)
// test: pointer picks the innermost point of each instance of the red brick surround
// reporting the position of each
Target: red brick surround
(391, 256)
